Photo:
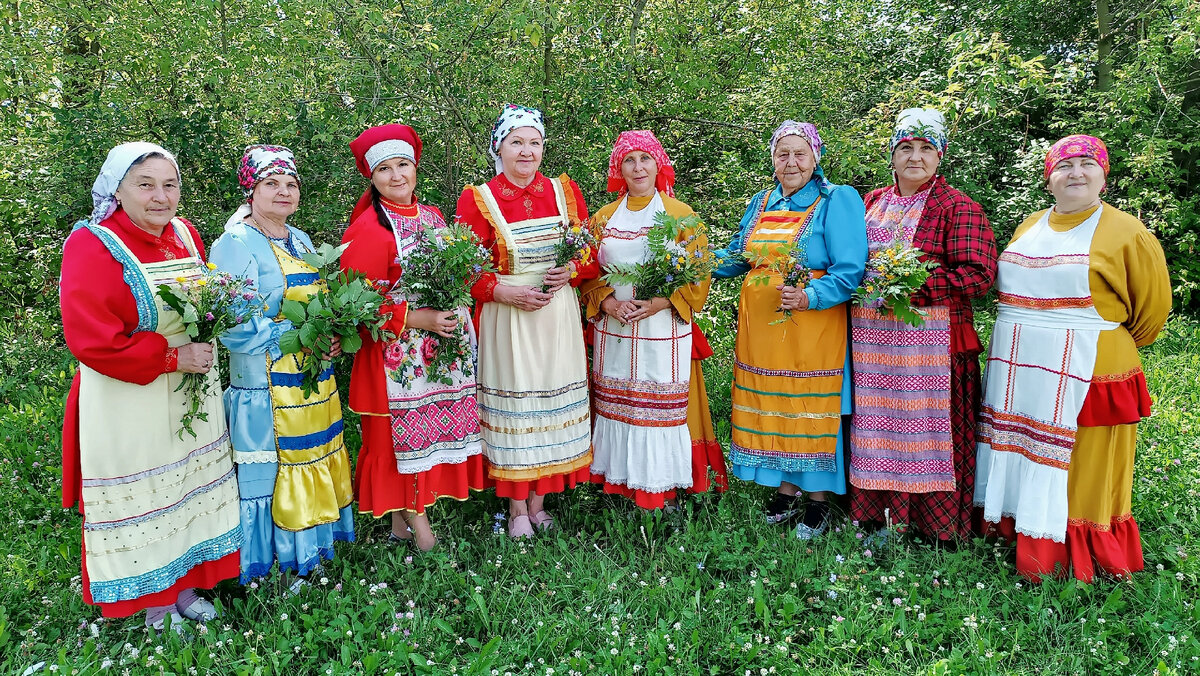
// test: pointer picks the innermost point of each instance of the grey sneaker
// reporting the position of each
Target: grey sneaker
(782, 508)
(808, 532)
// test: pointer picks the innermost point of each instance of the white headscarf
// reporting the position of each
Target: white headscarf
(116, 165)
(921, 123)
(513, 117)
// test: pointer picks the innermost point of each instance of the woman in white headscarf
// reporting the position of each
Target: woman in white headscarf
(533, 382)
(293, 469)
(160, 509)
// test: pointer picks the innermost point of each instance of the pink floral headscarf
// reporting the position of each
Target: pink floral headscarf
(1079, 145)
(644, 140)
(261, 161)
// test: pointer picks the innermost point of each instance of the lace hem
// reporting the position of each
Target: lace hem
(250, 457)
(995, 518)
(429, 463)
(645, 488)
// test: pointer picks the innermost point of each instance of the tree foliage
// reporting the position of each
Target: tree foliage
(207, 77)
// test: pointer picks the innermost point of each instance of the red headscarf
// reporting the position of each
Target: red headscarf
(629, 141)
(369, 139)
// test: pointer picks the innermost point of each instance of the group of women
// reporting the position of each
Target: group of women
(833, 399)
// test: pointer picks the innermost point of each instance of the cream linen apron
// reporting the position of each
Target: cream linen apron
(155, 505)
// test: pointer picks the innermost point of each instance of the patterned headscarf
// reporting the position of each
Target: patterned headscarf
(261, 161)
(921, 123)
(112, 172)
(804, 130)
(1079, 145)
(513, 117)
(644, 140)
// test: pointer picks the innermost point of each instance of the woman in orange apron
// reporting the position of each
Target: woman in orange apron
(791, 381)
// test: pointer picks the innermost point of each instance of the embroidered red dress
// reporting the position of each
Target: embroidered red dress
(378, 483)
(100, 322)
(954, 232)
(536, 203)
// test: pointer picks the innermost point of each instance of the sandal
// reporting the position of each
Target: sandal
(177, 623)
(520, 527)
(201, 610)
(542, 520)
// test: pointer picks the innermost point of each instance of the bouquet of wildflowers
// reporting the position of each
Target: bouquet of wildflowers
(345, 302)
(670, 265)
(209, 305)
(577, 244)
(438, 273)
(894, 273)
(790, 263)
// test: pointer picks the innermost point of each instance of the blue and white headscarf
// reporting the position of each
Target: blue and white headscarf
(116, 165)
(513, 117)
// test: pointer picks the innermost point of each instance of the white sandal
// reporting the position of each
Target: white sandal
(201, 610)
(177, 623)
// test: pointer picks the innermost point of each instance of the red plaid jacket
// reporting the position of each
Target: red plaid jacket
(955, 233)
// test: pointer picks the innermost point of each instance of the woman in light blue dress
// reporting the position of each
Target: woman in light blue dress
(292, 467)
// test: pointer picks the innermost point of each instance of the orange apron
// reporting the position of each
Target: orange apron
(787, 378)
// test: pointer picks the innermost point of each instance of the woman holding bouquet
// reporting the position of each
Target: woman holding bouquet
(533, 385)
(791, 381)
(653, 431)
(421, 437)
(159, 505)
(1082, 286)
(292, 467)
(916, 388)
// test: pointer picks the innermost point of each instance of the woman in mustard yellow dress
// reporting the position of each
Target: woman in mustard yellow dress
(1082, 286)
(653, 432)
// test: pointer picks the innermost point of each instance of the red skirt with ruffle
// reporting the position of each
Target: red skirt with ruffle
(520, 490)
(381, 488)
(704, 454)
(1116, 548)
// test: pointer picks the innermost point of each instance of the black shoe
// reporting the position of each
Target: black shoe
(782, 508)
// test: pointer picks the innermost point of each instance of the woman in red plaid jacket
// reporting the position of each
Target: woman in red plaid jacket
(916, 389)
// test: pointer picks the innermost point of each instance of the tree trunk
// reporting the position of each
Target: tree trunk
(1104, 45)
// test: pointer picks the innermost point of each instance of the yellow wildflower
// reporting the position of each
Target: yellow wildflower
(201, 282)
(181, 279)
(211, 266)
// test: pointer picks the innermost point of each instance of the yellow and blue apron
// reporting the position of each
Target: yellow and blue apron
(308, 430)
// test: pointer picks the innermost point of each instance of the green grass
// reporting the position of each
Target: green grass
(711, 590)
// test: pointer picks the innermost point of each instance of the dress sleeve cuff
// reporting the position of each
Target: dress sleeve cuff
(813, 300)
(399, 318)
(172, 360)
(484, 290)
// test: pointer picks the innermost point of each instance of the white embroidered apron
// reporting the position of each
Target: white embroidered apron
(1039, 369)
(432, 423)
(533, 384)
(640, 376)
(155, 505)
